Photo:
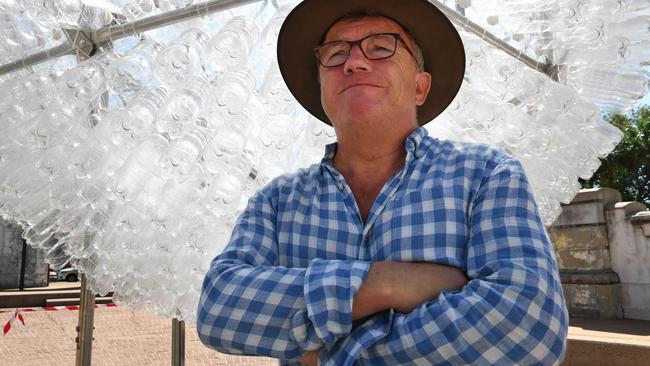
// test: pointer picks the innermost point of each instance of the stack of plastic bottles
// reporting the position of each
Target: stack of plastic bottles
(134, 163)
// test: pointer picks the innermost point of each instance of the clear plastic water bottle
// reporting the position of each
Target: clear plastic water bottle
(230, 47)
(139, 166)
(137, 9)
(183, 57)
(178, 114)
(139, 120)
(129, 73)
(234, 89)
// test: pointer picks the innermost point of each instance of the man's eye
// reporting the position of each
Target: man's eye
(335, 56)
(379, 48)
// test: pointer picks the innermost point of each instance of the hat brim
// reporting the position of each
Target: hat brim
(442, 48)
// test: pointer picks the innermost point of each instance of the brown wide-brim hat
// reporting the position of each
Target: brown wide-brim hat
(305, 27)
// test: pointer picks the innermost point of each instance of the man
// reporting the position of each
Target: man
(397, 248)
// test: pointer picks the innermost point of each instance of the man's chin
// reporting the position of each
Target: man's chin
(362, 116)
(359, 105)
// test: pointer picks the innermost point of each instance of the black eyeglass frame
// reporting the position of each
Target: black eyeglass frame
(396, 36)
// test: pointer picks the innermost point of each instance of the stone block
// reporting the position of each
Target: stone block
(608, 196)
(594, 301)
(581, 237)
(581, 301)
(583, 313)
(581, 213)
(642, 220)
(609, 301)
(587, 208)
(11, 246)
(635, 299)
(583, 296)
(601, 277)
(591, 260)
(631, 208)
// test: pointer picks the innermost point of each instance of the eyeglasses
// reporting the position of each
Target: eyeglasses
(373, 47)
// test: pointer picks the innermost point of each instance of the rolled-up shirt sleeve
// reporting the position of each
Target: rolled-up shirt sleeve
(511, 311)
(249, 305)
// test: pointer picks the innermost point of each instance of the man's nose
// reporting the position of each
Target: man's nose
(356, 61)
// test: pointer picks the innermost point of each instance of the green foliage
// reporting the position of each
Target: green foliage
(627, 168)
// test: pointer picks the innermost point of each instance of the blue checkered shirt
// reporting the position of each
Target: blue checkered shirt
(300, 251)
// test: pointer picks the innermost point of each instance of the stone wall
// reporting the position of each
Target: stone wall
(603, 250)
(592, 289)
(11, 246)
(629, 241)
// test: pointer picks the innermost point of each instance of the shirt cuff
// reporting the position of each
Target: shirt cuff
(329, 288)
(347, 351)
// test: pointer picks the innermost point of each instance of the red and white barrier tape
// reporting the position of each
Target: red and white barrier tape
(18, 316)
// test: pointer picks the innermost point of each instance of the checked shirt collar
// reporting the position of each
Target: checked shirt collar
(414, 150)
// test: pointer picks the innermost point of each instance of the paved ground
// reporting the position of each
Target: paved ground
(122, 337)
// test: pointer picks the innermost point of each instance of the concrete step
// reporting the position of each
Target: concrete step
(593, 353)
(623, 342)
(76, 301)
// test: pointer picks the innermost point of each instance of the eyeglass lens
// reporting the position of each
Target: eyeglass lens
(373, 47)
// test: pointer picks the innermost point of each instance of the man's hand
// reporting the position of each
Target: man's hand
(309, 358)
(404, 286)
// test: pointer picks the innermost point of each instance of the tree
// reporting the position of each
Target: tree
(627, 168)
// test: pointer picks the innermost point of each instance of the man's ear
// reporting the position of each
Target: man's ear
(422, 86)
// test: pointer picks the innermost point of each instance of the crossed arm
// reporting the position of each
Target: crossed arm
(511, 310)
(249, 306)
(402, 286)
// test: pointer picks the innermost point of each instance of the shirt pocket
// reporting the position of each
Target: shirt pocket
(424, 227)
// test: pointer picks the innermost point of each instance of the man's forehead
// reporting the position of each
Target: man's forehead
(361, 26)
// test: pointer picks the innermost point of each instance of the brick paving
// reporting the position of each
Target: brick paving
(122, 337)
(125, 337)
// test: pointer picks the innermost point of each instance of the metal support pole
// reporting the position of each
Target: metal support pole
(113, 32)
(86, 325)
(82, 43)
(58, 51)
(178, 342)
(87, 305)
(462, 21)
(78, 44)
(23, 265)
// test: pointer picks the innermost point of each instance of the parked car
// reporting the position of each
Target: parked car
(68, 274)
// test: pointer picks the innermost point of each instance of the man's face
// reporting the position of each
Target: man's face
(363, 89)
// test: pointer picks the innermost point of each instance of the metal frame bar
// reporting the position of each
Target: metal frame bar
(58, 51)
(83, 43)
(178, 342)
(86, 325)
(462, 21)
(77, 43)
(113, 32)
(94, 40)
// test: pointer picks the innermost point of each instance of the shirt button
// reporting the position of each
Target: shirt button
(340, 186)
